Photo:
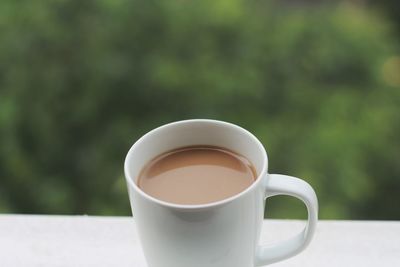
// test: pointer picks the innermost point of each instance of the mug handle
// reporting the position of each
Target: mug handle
(279, 184)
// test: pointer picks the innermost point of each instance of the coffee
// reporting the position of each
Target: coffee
(196, 175)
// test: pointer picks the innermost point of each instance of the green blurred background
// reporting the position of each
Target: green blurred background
(318, 82)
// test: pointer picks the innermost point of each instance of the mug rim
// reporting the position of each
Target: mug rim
(258, 180)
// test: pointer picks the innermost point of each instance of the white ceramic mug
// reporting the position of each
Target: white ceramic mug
(219, 234)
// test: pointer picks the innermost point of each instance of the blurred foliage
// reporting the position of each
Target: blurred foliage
(80, 81)
(390, 8)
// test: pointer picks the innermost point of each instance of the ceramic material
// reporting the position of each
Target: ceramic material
(219, 234)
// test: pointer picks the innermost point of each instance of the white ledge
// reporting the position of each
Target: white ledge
(34, 240)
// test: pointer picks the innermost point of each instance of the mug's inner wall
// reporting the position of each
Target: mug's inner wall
(189, 133)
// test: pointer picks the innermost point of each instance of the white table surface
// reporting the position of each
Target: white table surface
(58, 241)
